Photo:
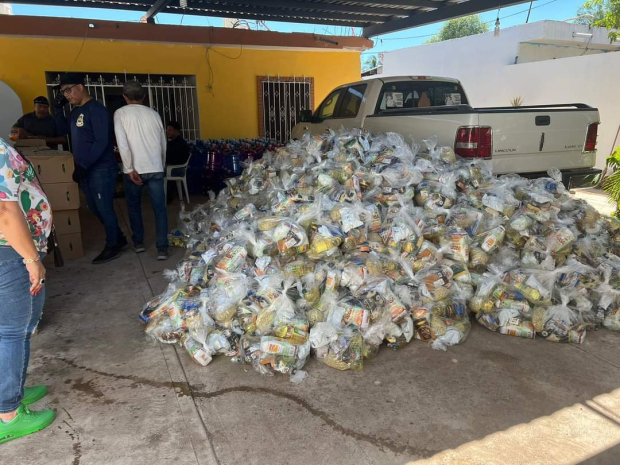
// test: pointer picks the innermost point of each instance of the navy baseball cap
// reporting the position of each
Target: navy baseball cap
(71, 78)
(42, 100)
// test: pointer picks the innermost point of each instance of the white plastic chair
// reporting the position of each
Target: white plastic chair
(178, 179)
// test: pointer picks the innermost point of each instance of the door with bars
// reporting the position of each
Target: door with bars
(172, 96)
(279, 102)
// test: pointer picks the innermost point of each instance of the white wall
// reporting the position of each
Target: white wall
(591, 79)
(484, 48)
(10, 110)
(544, 49)
(484, 65)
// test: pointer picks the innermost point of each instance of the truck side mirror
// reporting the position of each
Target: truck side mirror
(305, 116)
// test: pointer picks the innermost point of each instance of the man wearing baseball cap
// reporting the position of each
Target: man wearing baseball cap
(96, 171)
(39, 124)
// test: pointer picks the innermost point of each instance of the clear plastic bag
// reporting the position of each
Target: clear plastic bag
(608, 303)
(225, 292)
(561, 323)
(449, 321)
(535, 285)
(345, 241)
(346, 352)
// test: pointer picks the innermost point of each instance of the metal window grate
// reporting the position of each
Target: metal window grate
(174, 97)
(280, 101)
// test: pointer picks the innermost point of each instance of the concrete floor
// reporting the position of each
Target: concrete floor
(123, 400)
(597, 198)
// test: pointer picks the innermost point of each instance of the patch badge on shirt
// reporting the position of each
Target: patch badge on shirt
(80, 120)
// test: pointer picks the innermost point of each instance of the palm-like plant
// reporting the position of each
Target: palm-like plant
(371, 62)
(517, 102)
(611, 185)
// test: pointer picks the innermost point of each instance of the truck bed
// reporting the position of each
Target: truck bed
(526, 139)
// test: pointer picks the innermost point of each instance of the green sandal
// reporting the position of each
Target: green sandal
(34, 394)
(25, 423)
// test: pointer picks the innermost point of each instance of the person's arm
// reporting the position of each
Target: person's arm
(21, 132)
(171, 153)
(122, 143)
(100, 122)
(163, 141)
(12, 219)
(57, 138)
(62, 122)
(19, 124)
(18, 127)
(186, 151)
(16, 232)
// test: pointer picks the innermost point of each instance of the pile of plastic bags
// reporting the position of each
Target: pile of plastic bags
(338, 244)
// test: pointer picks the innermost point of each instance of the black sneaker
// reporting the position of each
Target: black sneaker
(121, 244)
(139, 248)
(162, 254)
(107, 256)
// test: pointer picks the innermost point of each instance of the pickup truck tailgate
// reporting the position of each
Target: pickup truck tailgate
(532, 140)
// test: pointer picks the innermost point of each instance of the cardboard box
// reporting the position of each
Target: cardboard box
(67, 222)
(63, 196)
(52, 169)
(32, 151)
(52, 152)
(70, 246)
(29, 143)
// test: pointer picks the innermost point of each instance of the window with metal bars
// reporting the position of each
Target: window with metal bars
(280, 99)
(172, 96)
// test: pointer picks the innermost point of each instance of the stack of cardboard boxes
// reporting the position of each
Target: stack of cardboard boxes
(55, 169)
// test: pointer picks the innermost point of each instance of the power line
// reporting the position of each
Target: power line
(80, 50)
(405, 38)
(525, 11)
(485, 22)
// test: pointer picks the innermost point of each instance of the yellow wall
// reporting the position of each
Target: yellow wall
(232, 109)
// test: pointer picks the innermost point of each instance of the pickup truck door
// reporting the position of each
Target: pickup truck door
(340, 108)
(532, 139)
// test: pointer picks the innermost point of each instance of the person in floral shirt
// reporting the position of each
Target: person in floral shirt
(25, 224)
(18, 176)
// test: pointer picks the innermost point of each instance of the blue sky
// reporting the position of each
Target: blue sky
(511, 16)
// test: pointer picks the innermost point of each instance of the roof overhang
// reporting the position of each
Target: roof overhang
(374, 16)
(38, 26)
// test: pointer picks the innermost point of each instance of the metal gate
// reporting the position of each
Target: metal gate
(172, 96)
(279, 102)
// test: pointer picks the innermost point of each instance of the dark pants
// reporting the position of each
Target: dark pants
(99, 187)
(19, 314)
(154, 185)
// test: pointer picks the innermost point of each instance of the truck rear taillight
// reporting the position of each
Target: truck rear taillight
(590, 145)
(474, 142)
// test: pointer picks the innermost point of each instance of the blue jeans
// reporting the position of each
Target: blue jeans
(99, 187)
(154, 185)
(19, 314)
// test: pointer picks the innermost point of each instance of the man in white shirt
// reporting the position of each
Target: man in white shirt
(141, 140)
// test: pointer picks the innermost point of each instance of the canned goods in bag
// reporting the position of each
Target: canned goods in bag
(424, 330)
(493, 239)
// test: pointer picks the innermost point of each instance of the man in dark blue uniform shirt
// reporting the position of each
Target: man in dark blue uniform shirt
(39, 124)
(95, 166)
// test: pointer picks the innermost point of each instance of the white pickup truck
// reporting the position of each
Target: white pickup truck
(527, 140)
